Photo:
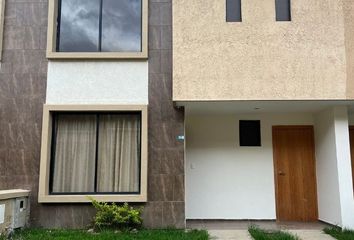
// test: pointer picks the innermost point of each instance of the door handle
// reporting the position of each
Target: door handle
(281, 173)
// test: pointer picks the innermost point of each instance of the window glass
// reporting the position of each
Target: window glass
(121, 25)
(233, 11)
(79, 26)
(100, 25)
(283, 10)
(96, 153)
(118, 153)
(74, 149)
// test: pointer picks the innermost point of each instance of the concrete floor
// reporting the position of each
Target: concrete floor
(229, 235)
(310, 235)
(243, 225)
(237, 230)
(244, 235)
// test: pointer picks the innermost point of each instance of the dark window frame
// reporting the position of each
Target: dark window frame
(99, 50)
(244, 141)
(53, 145)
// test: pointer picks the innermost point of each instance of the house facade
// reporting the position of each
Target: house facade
(267, 93)
(218, 109)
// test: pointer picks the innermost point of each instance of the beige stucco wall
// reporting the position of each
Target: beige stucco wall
(348, 9)
(259, 59)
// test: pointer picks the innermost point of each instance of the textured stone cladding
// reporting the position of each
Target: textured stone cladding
(166, 155)
(22, 95)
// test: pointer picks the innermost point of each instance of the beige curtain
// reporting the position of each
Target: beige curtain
(74, 168)
(118, 153)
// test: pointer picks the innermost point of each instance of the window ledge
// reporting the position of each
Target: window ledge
(85, 198)
(97, 55)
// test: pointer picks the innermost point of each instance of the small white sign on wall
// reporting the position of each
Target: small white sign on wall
(2, 213)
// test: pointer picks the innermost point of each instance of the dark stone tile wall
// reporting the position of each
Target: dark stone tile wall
(23, 76)
(22, 95)
(166, 155)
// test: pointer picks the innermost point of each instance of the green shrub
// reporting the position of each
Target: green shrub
(112, 216)
(340, 234)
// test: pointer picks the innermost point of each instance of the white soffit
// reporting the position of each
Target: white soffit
(232, 107)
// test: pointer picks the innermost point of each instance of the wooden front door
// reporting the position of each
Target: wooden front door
(351, 137)
(295, 173)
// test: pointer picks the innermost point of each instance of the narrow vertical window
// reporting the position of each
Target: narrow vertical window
(233, 11)
(283, 10)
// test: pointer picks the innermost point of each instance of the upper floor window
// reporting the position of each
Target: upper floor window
(283, 10)
(233, 11)
(97, 29)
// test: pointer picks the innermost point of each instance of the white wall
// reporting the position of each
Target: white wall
(99, 82)
(326, 165)
(225, 181)
(334, 175)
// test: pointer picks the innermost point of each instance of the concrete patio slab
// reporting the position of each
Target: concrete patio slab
(244, 235)
(244, 224)
(238, 230)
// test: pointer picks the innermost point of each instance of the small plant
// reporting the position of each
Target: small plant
(112, 216)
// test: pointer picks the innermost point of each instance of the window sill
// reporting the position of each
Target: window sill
(97, 55)
(85, 198)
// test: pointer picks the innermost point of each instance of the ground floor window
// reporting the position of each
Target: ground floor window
(95, 153)
(98, 151)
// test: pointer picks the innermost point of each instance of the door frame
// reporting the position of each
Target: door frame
(274, 127)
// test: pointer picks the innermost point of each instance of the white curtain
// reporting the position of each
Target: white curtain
(75, 149)
(118, 153)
